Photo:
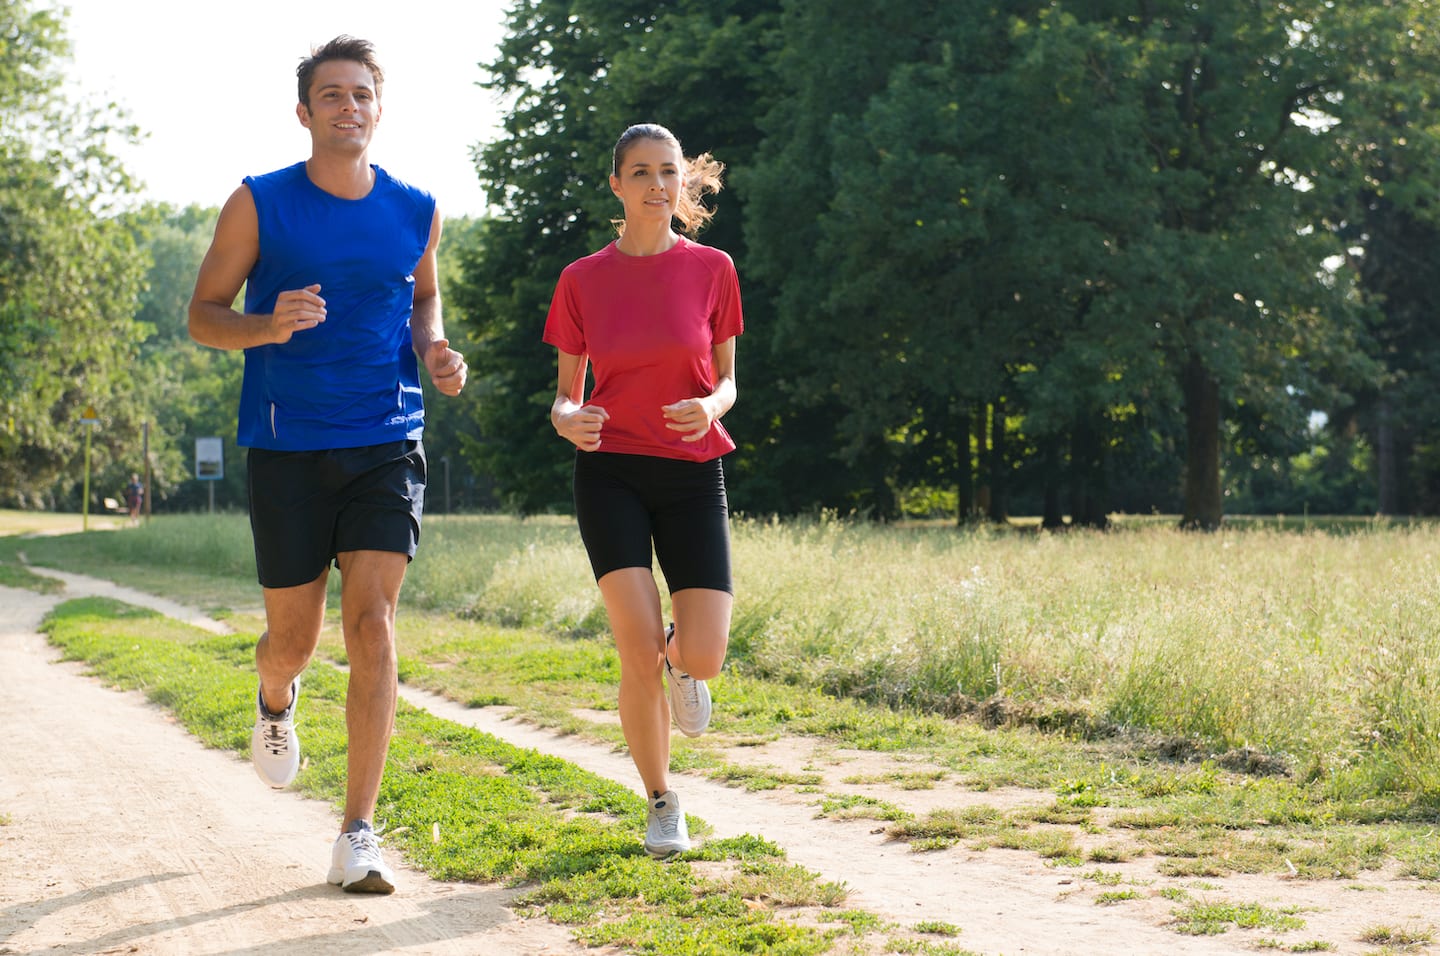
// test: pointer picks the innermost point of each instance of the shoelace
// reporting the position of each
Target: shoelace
(274, 738)
(689, 687)
(364, 846)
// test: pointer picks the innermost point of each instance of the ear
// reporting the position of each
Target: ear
(303, 112)
(615, 186)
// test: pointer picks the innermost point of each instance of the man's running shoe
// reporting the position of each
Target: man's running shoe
(355, 863)
(665, 830)
(274, 748)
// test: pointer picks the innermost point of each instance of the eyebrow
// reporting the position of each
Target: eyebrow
(342, 86)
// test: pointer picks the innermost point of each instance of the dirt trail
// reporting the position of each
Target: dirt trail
(128, 836)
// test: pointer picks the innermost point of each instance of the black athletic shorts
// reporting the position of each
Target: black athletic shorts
(626, 502)
(308, 506)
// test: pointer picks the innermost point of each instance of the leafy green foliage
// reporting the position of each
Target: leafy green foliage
(69, 278)
(576, 74)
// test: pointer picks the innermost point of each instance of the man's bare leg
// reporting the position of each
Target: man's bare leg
(370, 589)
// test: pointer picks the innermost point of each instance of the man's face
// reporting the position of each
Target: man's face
(344, 105)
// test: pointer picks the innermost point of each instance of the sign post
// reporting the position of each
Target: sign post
(148, 478)
(210, 463)
(89, 420)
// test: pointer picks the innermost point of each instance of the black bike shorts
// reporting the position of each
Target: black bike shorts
(308, 506)
(626, 503)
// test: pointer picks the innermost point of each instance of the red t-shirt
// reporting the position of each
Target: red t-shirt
(649, 325)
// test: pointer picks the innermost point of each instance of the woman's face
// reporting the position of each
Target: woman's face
(649, 181)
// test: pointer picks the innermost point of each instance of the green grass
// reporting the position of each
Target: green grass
(1112, 897)
(1271, 650)
(1212, 919)
(1397, 938)
(464, 805)
(15, 575)
(1259, 700)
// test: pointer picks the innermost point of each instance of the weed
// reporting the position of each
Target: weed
(1395, 937)
(859, 921)
(1210, 919)
(1111, 897)
(1104, 878)
(856, 807)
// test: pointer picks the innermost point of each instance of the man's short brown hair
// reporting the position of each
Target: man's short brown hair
(341, 48)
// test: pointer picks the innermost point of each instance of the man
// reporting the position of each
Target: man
(341, 296)
(134, 496)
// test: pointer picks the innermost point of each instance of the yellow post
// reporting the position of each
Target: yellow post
(89, 420)
(85, 501)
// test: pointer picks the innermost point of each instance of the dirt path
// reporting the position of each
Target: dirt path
(128, 836)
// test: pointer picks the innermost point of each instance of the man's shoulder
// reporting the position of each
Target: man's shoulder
(419, 195)
(281, 176)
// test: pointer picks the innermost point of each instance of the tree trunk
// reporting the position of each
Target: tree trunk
(1053, 517)
(982, 457)
(1203, 507)
(1386, 471)
(1089, 503)
(964, 472)
(999, 507)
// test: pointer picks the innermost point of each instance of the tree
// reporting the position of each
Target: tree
(188, 391)
(69, 276)
(1244, 318)
(1388, 155)
(577, 73)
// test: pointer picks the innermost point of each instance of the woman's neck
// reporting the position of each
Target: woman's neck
(637, 241)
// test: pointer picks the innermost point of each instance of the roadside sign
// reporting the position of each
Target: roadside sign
(209, 459)
(89, 416)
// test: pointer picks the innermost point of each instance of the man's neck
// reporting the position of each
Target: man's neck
(348, 177)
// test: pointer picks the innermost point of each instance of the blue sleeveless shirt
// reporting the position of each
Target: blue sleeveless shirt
(353, 380)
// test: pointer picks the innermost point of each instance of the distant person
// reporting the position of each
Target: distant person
(338, 262)
(657, 314)
(134, 497)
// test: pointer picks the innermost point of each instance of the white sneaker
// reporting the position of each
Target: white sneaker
(355, 863)
(665, 830)
(689, 698)
(274, 748)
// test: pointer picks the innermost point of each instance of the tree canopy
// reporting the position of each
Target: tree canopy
(1062, 258)
(69, 273)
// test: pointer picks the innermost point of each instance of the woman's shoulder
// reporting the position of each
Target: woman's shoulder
(596, 260)
(716, 260)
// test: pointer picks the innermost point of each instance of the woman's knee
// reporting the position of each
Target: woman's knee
(701, 652)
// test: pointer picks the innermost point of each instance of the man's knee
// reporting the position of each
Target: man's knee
(286, 650)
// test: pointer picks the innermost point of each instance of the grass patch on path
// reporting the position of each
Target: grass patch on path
(464, 805)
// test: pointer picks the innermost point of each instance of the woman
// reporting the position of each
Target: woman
(656, 314)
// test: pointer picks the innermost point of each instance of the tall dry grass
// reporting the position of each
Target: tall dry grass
(1321, 647)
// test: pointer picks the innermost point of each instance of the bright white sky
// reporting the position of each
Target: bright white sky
(213, 84)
